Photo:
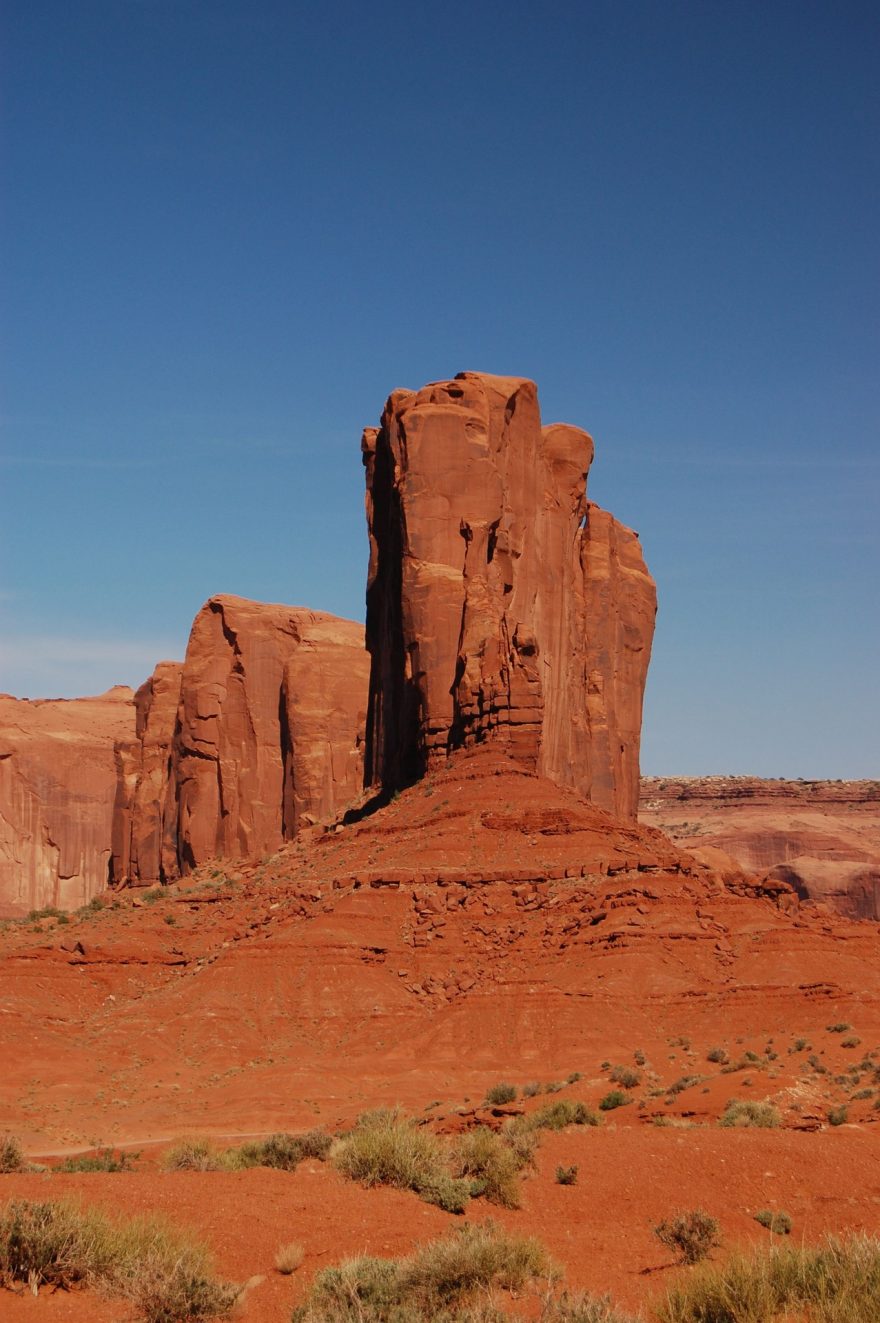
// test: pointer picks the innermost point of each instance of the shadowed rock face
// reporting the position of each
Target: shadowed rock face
(500, 602)
(144, 823)
(268, 733)
(57, 787)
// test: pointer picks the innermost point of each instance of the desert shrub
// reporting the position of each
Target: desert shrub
(851, 1042)
(500, 1094)
(639, 1057)
(799, 1045)
(837, 1116)
(579, 1307)
(779, 1223)
(862, 1095)
(280, 1150)
(192, 1155)
(289, 1258)
(555, 1086)
(626, 1077)
(556, 1116)
(686, 1082)
(164, 1275)
(718, 1055)
(427, 1286)
(839, 1028)
(490, 1165)
(386, 1148)
(690, 1236)
(574, 1077)
(532, 1090)
(760, 1114)
(837, 1282)
(103, 1159)
(616, 1098)
(567, 1175)
(11, 1155)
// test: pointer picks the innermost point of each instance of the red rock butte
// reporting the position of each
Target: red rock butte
(501, 603)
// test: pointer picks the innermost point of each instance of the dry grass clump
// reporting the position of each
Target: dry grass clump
(289, 1258)
(838, 1282)
(626, 1077)
(103, 1159)
(441, 1281)
(387, 1148)
(165, 1276)
(499, 1094)
(555, 1116)
(761, 1114)
(11, 1156)
(580, 1307)
(491, 1164)
(192, 1155)
(691, 1236)
(282, 1151)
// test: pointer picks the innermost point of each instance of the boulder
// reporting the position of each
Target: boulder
(501, 604)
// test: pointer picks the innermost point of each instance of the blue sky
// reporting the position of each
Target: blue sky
(231, 227)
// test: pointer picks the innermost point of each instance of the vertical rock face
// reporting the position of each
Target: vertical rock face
(57, 785)
(500, 602)
(268, 734)
(144, 825)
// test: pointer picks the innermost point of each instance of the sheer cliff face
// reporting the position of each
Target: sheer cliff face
(57, 787)
(268, 735)
(500, 603)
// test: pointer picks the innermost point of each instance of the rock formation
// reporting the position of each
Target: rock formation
(500, 602)
(57, 788)
(144, 825)
(268, 734)
(821, 837)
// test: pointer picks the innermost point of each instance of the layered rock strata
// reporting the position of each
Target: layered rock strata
(57, 790)
(268, 737)
(500, 602)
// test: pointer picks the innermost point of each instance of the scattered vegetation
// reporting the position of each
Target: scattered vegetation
(500, 1094)
(386, 1148)
(691, 1235)
(837, 1116)
(103, 1159)
(11, 1156)
(719, 1055)
(838, 1282)
(583, 1308)
(162, 1274)
(430, 1285)
(567, 1175)
(779, 1223)
(759, 1114)
(281, 1150)
(532, 1090)
(556, 1116)
(192, 1155)
(616, 1098)
(491, 1165)
(626, 1077)
(839, 1028)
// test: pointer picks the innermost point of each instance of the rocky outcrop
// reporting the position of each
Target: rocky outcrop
(820, 837)
(144, 824)
(57, 788)
(500, 602)
(269, 728)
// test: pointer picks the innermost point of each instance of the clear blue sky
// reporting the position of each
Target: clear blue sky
(231, 227)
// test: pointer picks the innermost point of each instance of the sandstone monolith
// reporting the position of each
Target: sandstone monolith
(501, 604)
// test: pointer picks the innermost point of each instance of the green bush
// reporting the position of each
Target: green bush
(103, 1159)
(192, 1155)
(282, 1151)
(691, 1235)
(556, 1116)
(616, 1098)
(837, 1116)
(743, 1114)
(838, 1282)
(567, 1175)
(500, 1094)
